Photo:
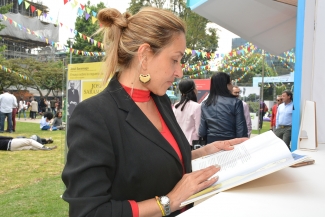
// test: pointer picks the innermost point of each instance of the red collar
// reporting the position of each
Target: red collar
(137, 95)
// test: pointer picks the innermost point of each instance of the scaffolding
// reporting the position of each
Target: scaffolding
(20, 44)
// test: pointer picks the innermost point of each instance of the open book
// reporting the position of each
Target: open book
(252, 159)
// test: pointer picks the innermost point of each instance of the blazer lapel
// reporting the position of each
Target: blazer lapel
(168, 116)
(137, 119)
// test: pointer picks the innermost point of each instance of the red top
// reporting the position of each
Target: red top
(273, 118)
(144, 96)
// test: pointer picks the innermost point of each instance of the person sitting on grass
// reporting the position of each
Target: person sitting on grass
(57, 122)
(45, 123)
(18, 144)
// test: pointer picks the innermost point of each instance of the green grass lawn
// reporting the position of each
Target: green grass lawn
(30, 183)
(266, 127)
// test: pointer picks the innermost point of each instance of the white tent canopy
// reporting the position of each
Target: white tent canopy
(268, 24)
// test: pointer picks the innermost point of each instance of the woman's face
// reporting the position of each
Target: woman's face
(60, 115)
(166, 66)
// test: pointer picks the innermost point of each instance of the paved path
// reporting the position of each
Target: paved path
(37, 120)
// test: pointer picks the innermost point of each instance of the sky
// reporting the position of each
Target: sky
(67, 15)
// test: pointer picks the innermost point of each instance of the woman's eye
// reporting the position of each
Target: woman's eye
(175, 61)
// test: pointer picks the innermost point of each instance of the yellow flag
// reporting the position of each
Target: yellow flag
(39, 12)
(93, 19)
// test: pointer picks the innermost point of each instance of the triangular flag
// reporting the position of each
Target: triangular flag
(88, 39)
(87, 16)
(80, 34)
(80, 11)
(95, 42)
(15, 23)
(45, 15)
(32, 8)
(73, 5)
(88, 10)
(94, 13)
(4, 16)
(65, 1)
(26, 5)
(39, 12)
(82, 6)
(93, 19)
(20, 1)
(10, 21)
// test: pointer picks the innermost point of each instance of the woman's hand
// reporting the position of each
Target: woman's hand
(190, 184)
(222, 145)
(217, 146)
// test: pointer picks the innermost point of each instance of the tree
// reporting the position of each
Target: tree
(86, 27)
(41, 75)
(6, 79)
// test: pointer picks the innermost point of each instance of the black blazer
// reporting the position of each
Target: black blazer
(116, 154)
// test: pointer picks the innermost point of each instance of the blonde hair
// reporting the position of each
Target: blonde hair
(123, 34)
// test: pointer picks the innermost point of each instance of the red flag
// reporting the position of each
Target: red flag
(65, 1)
(32, 8)
(82, 6)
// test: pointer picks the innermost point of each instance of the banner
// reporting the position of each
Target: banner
(203, 88)
(84, 81)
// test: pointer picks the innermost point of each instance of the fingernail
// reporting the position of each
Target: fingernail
(217, 166)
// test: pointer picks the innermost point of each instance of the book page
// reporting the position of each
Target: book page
(252, 159)
(246, 157)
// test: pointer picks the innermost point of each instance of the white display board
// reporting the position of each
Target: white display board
(308, 127)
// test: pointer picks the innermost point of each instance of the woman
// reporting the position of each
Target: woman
(222, 115)
(188, 111)
(131, 149)
(22, 107)
(33, 109)
(57, 122)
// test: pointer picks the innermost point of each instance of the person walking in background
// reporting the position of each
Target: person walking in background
(274, 111)
(188, 111)
(30, 99)
(22, 107)
(222, 115)
(284, 118)
(42, 105)
(48, 105)
(262, 112)
(34, 109)
(52, 104)
(57, 105)
(127, 154)
(236, 92)
(7, 102)
(13, 115)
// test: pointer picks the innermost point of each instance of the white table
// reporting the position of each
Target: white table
(297, 192)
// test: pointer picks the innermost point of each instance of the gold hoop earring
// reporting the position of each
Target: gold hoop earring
(144, 78)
